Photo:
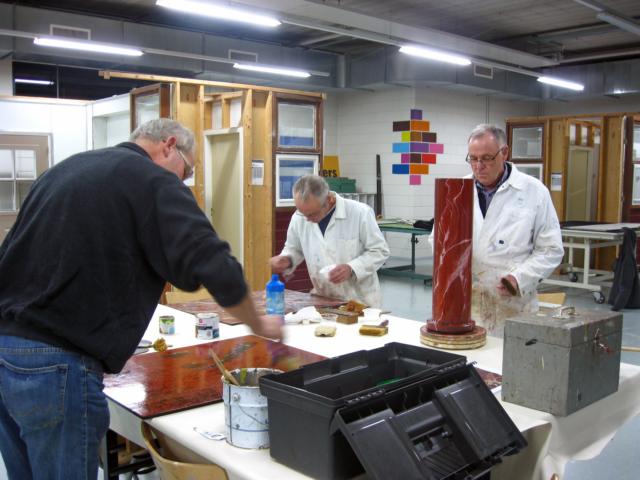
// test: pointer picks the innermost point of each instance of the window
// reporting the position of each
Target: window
(297, 125)
(17, 174)
(289, 168)
(527, 143)
(533, 169)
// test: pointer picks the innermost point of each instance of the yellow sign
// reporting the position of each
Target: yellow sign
(330, 166)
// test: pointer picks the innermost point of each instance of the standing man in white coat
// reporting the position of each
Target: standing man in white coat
(330, 231)
(516, 233)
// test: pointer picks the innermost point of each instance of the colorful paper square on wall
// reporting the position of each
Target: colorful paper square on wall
(417, 147)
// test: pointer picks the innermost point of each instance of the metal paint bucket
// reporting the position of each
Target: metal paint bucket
(245, 409)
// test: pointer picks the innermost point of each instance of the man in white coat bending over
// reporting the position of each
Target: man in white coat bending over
(516, 233)
(330, 231)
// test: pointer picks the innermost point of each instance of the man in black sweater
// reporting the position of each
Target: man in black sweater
(81, 272)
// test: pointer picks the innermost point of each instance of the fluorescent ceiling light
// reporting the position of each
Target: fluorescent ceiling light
(432, 54)
(219, 11)
(620, 22)
(275, 70)
(561, 83)
(33, 82)
(88, 46)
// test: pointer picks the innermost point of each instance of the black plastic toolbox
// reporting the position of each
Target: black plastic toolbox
(446, 427)
(302, 403)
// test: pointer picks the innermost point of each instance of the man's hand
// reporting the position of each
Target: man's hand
(270, 326)
(340, 273)
(279, 264)
(508, 286)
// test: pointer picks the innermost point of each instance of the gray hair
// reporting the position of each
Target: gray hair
(311, 186)
(487, 129)
(160, 129)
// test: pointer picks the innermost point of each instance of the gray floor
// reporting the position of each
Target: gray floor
(619, 460)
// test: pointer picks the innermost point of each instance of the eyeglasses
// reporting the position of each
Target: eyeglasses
(188, 168)
(316, 214)
(486, 160)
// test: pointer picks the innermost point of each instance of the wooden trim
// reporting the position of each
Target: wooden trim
(163, 90)
(225, 96)
(546, 149)
(540, 118)
(108, 74)
(226, 114)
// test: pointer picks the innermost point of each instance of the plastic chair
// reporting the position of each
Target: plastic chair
(171, 468)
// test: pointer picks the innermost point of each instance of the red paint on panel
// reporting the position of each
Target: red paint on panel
(165, 382)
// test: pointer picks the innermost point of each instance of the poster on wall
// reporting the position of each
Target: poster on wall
(556, 182)
(257, 172)
(418, 147)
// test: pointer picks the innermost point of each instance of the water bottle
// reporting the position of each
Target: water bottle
(275, 296)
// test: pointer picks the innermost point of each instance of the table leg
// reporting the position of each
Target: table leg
(414, 240)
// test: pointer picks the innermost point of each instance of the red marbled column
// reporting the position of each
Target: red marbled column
(452, 256)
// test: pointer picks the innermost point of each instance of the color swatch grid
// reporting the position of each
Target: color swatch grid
(418, 148)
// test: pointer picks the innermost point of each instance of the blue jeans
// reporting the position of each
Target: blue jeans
(53, 413)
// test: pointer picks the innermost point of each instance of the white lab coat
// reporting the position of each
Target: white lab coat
(352, 237)
(520, 236)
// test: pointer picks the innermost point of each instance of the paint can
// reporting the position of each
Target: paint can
(167, 324)
(245, 409)
(207, 326)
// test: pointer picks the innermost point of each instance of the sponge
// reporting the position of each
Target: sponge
(375, 330)
(325, 331)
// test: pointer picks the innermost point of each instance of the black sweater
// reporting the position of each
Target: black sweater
(99, 233)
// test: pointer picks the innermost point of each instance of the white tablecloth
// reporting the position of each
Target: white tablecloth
(553, 441)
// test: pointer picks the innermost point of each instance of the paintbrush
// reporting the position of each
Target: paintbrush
(225, 373)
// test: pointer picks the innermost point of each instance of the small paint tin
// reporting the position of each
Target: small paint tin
(167, 324)
(207, 326)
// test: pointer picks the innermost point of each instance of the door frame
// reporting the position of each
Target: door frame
(592, 172)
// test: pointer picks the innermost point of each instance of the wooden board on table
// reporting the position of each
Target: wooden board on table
(293, 300)
(166, 382)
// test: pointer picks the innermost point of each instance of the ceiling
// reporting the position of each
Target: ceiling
(509, 35)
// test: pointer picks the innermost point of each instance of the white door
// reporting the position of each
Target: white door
(224, 186)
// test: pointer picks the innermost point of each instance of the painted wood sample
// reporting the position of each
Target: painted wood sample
(159, 383)
(293, 300)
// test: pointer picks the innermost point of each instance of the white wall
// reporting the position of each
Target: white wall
(109, 122)
(363, 127)
(330, 124)
(6, 76)
(66, 121)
